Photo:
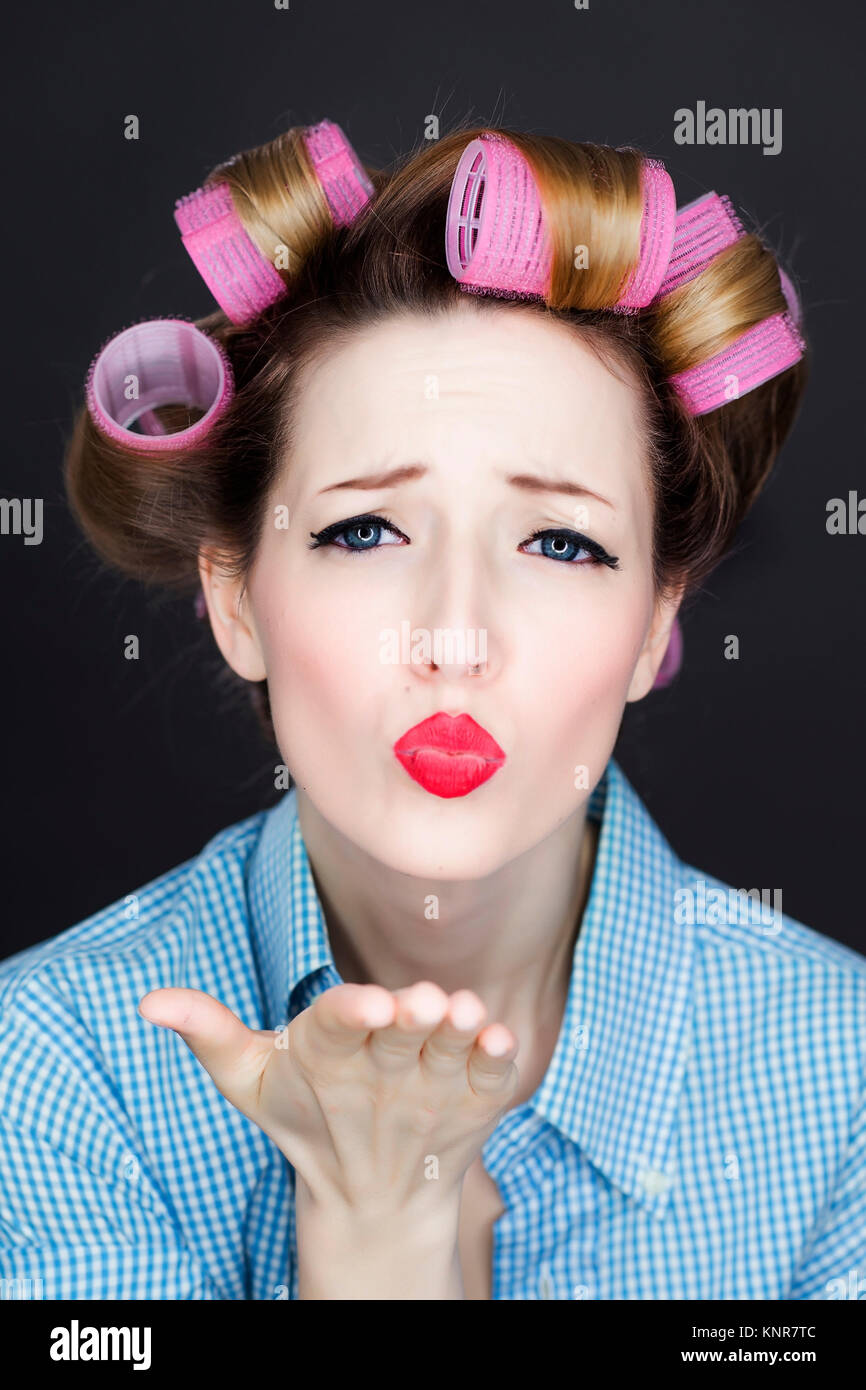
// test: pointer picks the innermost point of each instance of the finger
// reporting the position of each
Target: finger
(446, 1051)
(491, 1062)
(229, 1051)
(420, 1009)
(338, 1022)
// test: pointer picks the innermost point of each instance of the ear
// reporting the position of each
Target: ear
(231, 619)
(653, 651)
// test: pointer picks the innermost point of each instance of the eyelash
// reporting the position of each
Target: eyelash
(597, 553)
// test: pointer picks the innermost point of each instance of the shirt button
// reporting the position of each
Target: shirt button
(654, 1181)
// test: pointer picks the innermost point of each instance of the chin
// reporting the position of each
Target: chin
(426, 847)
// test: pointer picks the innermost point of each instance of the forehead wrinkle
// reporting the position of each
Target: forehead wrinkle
(497, 386)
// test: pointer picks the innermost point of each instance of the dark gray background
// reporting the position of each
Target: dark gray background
(115, 771)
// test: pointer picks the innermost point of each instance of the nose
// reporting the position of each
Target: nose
(457, 670)
(457, 641)
(450, 653)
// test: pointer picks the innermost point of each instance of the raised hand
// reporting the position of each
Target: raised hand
(380, 1101)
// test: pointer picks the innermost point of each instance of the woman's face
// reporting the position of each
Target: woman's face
(468, 432)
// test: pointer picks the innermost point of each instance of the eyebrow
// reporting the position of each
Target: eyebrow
(528, 482)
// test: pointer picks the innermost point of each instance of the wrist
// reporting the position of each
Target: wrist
(369, 1253)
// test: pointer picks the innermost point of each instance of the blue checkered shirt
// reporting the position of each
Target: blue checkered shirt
(700, 1132)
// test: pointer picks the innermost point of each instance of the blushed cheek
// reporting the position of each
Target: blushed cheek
(576, 695)
(321, 679)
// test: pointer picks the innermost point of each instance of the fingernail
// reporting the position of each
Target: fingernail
(464, 1014)
(425, 1010)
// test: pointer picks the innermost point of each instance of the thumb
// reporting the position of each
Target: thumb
(230, 1052)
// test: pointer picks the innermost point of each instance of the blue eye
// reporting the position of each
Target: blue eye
(360, 532)
(570, 547)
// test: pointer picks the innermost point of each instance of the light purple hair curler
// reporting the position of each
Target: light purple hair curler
(496, 240)
(240, 278)
(154, 363)
(795, 308)
(672, 659)
(706, 227)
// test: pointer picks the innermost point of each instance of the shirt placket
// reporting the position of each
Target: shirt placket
(505, 1156)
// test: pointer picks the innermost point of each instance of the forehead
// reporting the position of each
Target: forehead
(482, 383)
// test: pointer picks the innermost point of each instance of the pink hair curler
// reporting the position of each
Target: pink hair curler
(672, 659)
(657, 228)
(704, 228)
(496, 241)
(240, 278)
(345, 182)
(495, 238)
(763, 352)
(154, 363)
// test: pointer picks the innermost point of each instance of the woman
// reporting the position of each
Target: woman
(439, 1025)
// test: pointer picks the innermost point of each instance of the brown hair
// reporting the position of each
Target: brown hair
(149, 515)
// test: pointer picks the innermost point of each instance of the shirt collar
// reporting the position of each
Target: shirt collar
(617, 1070)
(290, 936)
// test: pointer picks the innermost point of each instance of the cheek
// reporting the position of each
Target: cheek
(591, 637)
(322, 656)
(580, 655)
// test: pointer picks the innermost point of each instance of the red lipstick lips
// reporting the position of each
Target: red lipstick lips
(449, 757)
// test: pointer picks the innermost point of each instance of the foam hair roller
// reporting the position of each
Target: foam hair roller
(704, 228)
(155, 363)
(240, 278)
(496, 241)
